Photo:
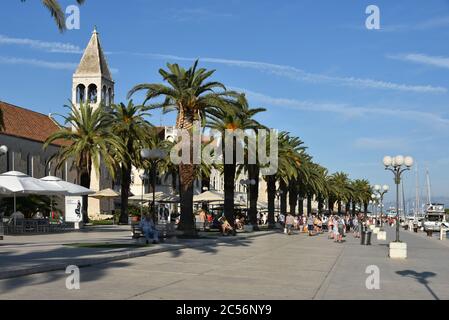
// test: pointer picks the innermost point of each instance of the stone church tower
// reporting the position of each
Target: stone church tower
(93, 84)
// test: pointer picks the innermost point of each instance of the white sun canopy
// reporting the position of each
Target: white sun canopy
(14, 182)
(160, 196)
(70, 189)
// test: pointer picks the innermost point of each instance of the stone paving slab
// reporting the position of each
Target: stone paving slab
(274, 266)
(24, 255)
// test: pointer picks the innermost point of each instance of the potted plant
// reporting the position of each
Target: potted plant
(134, 214)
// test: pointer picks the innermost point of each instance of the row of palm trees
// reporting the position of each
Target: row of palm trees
(116, 136)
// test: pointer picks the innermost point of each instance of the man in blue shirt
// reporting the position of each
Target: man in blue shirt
(149, 229)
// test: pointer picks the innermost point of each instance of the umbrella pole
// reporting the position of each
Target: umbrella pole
(15, 204)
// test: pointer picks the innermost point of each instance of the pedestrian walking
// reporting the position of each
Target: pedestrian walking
(310, 225)
(356, 227)
(341, 229)
(289, 222)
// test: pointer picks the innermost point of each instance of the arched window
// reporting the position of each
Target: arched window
(110, 97)
(29, 165)
(92, 93)
(47, 167)
(104, 95)
(80, 94)
(8, 161)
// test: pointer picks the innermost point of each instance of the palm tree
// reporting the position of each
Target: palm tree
(314, 185)
(290, 153)
(235, 115)
(342, 191)
(362, 188)
(56, 12)
(132, 129)
(191, 95)
(321, 190)
(89, 139)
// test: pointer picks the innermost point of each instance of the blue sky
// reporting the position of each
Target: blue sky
(352, 94)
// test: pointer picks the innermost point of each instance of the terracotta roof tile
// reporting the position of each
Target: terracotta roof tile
(28, 124)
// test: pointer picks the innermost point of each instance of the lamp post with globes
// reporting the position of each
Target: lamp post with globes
(380, 192)
(142, 177)
(398, 165)
(154, 156)
(376, 200)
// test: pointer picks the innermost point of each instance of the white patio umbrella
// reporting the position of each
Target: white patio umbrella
(209, 196)
(71, 189)
(15, 182)
(108, 194)
(160, 196)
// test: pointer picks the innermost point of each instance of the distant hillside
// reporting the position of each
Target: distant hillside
(443, 200)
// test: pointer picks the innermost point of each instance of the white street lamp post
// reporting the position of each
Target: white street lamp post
(154, 156)
(397, 165)
(380, 192)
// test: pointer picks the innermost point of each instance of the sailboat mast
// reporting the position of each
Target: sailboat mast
(403, 200)
(417, 191)
(429, 199)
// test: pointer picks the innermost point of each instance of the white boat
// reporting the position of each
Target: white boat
(435, 214)
(435, 217)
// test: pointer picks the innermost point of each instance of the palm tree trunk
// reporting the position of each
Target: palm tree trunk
(348, 207)
(125, 188)
(339, 207)
(271, 195)
(320, 204)
(293, 197)
(186, 177)
(85, 182)
(185, 121)
(309, 204)
(229, 181)
(301, 205)
(331, 203)
(284, 189)
(253, 174)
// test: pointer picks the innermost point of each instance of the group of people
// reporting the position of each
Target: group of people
(337, 226)
(206, 220)
(313, 224)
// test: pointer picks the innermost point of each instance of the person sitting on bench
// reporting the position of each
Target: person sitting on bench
(149, 229)
(226, 228)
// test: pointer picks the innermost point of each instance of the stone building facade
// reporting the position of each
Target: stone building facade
(24, 134)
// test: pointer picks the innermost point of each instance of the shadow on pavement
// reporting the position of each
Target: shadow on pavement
(421, 277)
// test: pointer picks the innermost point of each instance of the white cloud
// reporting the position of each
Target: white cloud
(39, 63)
(44, 64)
(196, 14)
(381, 144)
(436, 61)
(56, 47)
(433, 23)
(437, 22)
(301, 75)
(275, 69)
(346, 110)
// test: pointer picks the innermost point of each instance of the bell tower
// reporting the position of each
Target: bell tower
(92, 81)
(93, 84)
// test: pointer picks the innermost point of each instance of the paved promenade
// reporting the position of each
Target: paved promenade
(272, 266)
